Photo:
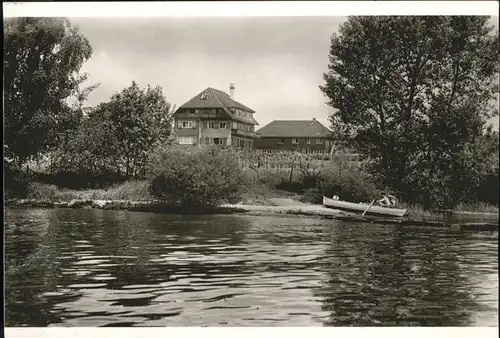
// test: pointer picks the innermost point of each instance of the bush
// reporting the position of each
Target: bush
(312, 195)
(271, 178)
(130, 190)
(352, 184)
(293, 186)
(81, 179)
(41, 191)
(195, 179)
(487, 191)
(16, 181)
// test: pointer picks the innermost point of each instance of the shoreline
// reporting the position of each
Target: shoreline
(301, 210)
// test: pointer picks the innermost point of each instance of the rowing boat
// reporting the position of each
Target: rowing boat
(354, 207)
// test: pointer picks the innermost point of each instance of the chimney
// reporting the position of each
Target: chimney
(231, 90)
(314, 119)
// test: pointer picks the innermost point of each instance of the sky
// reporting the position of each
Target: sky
(276, 63)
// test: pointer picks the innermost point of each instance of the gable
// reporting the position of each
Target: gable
(211, 98)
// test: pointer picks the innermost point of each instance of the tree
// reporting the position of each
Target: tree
(116, 137)
(412, 93)
(42, 59)
(140, 120)
(91, 149)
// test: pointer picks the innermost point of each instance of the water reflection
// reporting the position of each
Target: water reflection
(117, 268)
(396, 277)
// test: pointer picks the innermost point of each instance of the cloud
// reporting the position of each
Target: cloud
(275, 63)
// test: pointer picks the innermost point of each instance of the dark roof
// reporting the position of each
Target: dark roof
(216, 98)
(297, 128)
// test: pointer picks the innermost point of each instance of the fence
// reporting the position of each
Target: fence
(290, 166)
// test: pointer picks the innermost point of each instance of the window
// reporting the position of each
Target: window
(212, 125)
(319, 141)
(295, 141)
(222, 125)
(207, 140)
(220, 141)
(235, 125)
(186, 140)
(187, 124)
(204, 96)
(308, 140)
(281, 141)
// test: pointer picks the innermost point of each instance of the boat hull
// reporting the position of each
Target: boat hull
(353, 207)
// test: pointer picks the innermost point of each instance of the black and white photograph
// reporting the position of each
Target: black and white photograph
(331, 170)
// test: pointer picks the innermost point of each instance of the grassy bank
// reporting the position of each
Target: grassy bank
(212, 177)
(477, 207)
(139, 191)
(259, 194)
(131, 190)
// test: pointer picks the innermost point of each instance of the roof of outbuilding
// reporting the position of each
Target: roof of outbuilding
(295, 128)
(216, 98)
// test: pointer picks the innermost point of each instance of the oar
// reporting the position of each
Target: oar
(364, 212)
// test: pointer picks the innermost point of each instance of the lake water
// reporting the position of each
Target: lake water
(68, 267)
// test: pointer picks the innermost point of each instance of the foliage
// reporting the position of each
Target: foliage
(196, 179)
(117, 136)
(312, 195)
(302, 174)
(308, 175)
(91, 149)
(130, 190)
(48, 192)
(349, 183)
(486, 159)
(80, 179)
(140, 121)
(15, 180)
(413, 94)
(478, 207)
(42, 58)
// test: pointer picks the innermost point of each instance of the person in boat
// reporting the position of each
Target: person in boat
(335, 197)
(387, 200)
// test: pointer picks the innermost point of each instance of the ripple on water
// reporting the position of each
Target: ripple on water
(91, 262)
(139, 269)
(103, 277)
(86, 286)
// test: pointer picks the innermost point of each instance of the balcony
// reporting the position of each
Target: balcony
(238, 132)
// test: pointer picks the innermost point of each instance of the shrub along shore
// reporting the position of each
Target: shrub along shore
(134, 196)
(215, 181)
(490, 224)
